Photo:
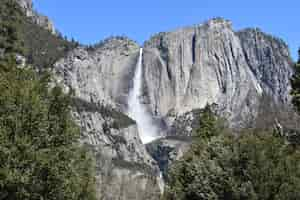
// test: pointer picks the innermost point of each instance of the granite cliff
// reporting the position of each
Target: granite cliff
(100, 74)
(36, 17)
(99, 77)
(212, 64)
(183, 70)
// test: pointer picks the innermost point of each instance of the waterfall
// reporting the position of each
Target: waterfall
(136, 110)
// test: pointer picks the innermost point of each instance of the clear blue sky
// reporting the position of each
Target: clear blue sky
(92, 20)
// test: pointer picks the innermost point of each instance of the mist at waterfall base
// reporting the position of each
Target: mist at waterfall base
(147, 128)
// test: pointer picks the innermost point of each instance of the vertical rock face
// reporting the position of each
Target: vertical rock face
(100, 79)
(37, 18)
(27, 5)
(191, 67)
(269, 59)
(102, 74)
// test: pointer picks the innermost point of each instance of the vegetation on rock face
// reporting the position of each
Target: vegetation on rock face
(209, 124)
(118, 40)
(221, 166)
(120, 120)
(41, 47)
(40, 157)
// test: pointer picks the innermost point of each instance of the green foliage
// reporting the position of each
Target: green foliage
(209, 124)
(20, 35)
(295, 82)
(248, 168)
(120, 120)
(40, 157)
(220, 167)
(39, 154)
(10, 23)
(42, 48)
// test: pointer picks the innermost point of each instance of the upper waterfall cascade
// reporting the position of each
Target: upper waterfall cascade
(136, 110)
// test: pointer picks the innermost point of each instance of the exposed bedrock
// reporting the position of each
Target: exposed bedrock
(210, 63)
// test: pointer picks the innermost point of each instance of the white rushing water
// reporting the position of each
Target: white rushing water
(136, 110)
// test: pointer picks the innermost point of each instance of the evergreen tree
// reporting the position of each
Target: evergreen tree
(298, 56)
(223, 167)
(10, 24)
(39, 154)
(40, 157)
(208, 124)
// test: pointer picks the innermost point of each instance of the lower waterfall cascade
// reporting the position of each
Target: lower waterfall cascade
(136, 110)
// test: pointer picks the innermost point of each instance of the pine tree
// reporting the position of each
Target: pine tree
(10, 24)
(221, 166)
(209, 124)
(40, 157)
(228, 168)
